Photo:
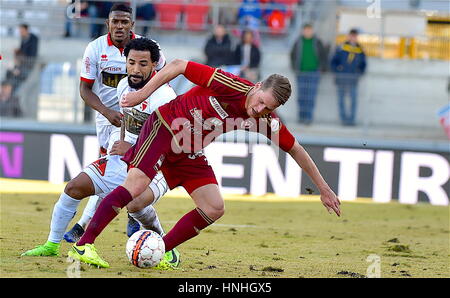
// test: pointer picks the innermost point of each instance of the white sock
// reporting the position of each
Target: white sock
(149, 220)
(63, 212)
(89, 211)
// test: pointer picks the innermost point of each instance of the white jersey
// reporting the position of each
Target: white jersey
(109, 172)
(105, 65)
(161, 96)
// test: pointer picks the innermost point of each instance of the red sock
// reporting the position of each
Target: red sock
(108, 209)
(186, 228)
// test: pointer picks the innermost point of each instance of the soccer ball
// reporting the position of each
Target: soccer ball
(145, 249)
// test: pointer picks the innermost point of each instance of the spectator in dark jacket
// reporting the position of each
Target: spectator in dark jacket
(29, 45)
(349, 64)
(9, 103)
(308, 58)
(29, 42)
(24, 58)
(248, 56)
(218, 48)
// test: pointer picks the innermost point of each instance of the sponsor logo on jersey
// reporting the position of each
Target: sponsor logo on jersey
(113, 69)
(187, 125)
(197, 115)
(158, 164)
(207, 124)
(104, 57)
(275, 125)
(112, 79)
(216, 105)
(87, 65)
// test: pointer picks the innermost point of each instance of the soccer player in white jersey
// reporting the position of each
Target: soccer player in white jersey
(105, 174)
(103, 66)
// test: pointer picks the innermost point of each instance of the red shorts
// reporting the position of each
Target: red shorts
(153, 152)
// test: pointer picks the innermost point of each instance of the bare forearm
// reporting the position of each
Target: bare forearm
(303, 159)
(165, 75)
(327, 196)
(92, 100)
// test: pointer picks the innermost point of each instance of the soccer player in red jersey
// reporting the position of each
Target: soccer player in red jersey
(173, 136)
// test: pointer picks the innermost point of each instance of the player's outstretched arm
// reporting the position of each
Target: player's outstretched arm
(327, 196)
(165, 75)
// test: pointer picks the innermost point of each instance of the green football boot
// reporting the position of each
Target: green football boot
(49, 249)
(171, 260)
(87, 254)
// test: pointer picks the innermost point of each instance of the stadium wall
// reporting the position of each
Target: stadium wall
(381, 171)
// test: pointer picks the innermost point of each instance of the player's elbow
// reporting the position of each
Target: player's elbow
(85, 88)
(179, 65)
(295, 149)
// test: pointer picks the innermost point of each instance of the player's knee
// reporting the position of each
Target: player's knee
(140, 202)
(79, 187)
(136, 182)
(215, 211)
(73, 190)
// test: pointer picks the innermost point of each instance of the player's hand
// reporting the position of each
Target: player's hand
(119, 148)
(330, 201)
(113, 117)
(131, 99)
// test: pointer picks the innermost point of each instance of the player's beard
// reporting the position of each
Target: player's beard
(139, 85)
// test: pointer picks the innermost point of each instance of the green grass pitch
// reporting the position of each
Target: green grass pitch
(253, 239)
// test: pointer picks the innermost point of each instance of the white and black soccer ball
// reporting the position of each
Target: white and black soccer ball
(145, 249)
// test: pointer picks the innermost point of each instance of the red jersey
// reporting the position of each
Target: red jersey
(215, 106)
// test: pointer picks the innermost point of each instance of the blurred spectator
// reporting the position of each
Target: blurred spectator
(349, 64)
(227, 11)
(248, 56)
(145, 11)
(28, 45)
(218, 48)
(85, 9)
(24, 58)
(308, 58)
(18, 73)
(9, 103)
(101, 11)
(250, 14)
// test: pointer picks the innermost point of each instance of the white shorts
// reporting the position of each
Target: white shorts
(103, 133)
(110, 171)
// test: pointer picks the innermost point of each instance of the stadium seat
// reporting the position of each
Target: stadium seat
(196, 15)
(168, 13)
(276, 22)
